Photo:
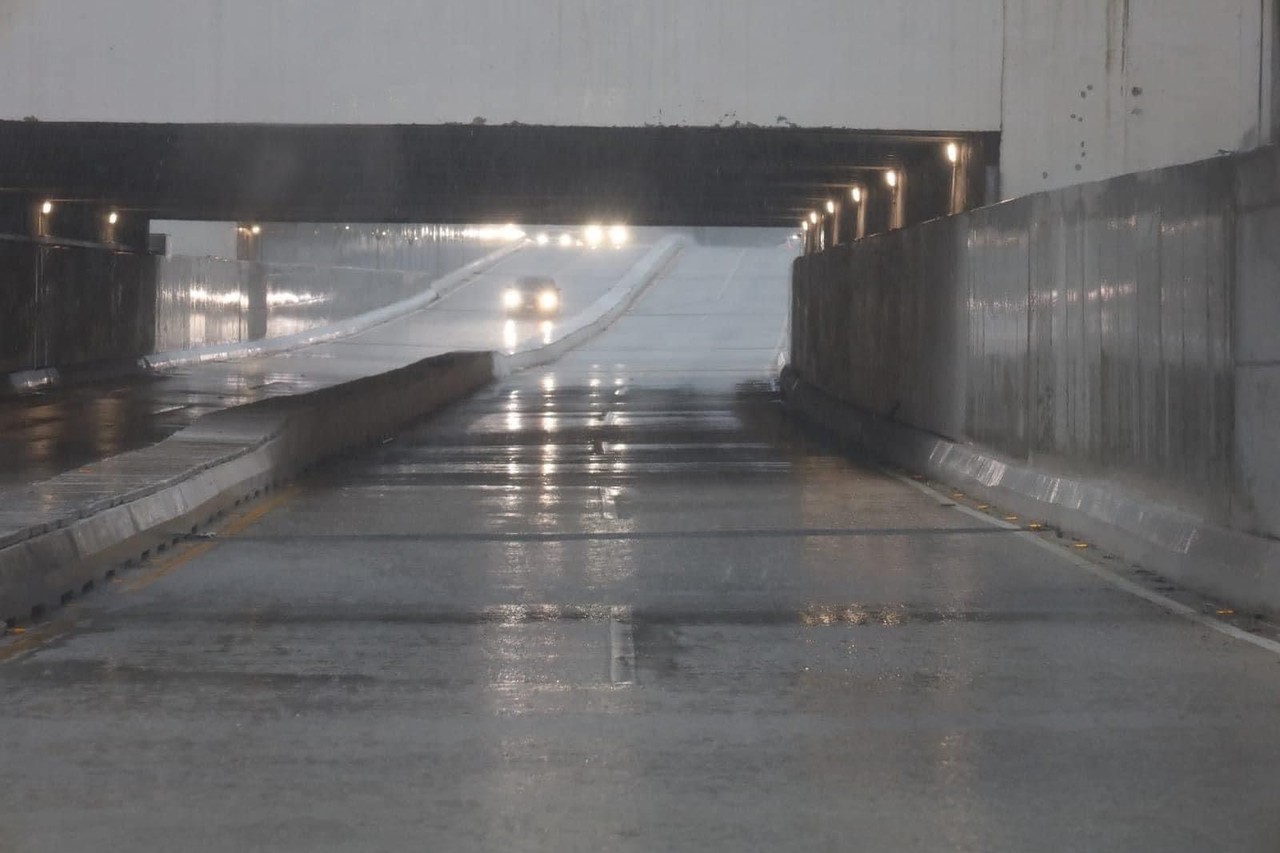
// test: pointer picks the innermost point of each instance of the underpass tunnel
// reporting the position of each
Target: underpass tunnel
(828, 185)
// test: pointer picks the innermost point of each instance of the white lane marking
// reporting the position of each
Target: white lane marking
(724, 285)
(622, 646)
(1100, 572)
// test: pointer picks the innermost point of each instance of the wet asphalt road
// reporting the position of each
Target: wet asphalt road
(621, 604)
(45, 434)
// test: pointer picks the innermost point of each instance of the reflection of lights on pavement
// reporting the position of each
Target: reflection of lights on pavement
(595, 383)
(548, 329)
(566, 241)
(488, 233)
(594, 235)
(549, 382)
(509, 335)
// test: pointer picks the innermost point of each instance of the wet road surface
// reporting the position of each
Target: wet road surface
(45, 434)
(621, 604)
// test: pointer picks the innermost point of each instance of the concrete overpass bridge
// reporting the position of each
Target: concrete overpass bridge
(991, 564)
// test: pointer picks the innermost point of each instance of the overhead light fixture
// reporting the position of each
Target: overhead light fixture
(804, 224)
(257, 229)
(46, 208)
(891, 178)
(953, 152)
(113, 218)
(831, 207)
(856, 193)
(813, 217)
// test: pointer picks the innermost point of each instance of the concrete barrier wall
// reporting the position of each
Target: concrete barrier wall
(65, 303)
(1086, 332)
(171, 489)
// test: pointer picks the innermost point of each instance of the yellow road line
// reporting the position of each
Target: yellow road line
(33, 639)
(237, 525)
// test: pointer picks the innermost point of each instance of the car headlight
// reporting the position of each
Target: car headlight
(548, 300)
(511, 298)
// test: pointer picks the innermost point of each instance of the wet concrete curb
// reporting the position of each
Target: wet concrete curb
(64, 543)
(1237, 567)
(599, 315)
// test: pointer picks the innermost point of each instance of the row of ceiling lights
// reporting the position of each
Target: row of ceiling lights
(47, 208)
(890, 178)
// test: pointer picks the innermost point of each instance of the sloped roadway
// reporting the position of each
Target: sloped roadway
(620, 604)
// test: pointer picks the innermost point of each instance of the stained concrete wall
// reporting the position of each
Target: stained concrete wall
(1098, 88)
(1121, 330)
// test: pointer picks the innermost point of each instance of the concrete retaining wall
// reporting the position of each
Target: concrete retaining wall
(1121, 333)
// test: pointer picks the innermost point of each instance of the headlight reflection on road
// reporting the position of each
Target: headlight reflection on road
(548, 330)
(510, 335)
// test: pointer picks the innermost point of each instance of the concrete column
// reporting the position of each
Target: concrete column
(897, 198)
(858, 212)
(254, 280)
